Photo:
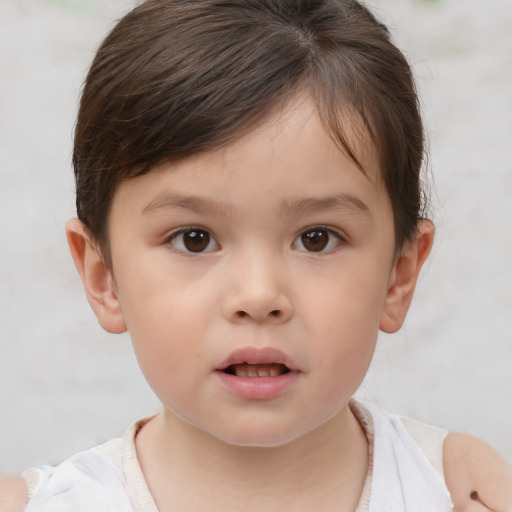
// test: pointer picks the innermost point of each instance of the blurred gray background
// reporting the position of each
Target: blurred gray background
(65, 385)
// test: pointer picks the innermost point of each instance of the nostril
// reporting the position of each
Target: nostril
(275, 313)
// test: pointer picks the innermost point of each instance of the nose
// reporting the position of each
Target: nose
(257, 293)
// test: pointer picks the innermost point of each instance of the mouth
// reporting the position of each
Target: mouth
(257, 370)
(252, 373)
(257, 362)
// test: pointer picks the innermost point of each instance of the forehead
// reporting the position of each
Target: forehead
(290, 155)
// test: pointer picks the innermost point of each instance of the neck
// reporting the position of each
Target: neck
(181, 462)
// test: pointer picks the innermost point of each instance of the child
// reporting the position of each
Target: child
(249, 209)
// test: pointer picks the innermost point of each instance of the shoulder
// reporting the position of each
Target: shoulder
(13, 494)
(86, 481)
(476, 474)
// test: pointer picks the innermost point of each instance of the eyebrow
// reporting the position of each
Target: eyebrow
(294, 206)
(345, 201)
(190, 203)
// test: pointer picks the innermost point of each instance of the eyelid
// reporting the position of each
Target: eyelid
(184, 229)
(338, 234)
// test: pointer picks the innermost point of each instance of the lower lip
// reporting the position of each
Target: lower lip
(257, 388)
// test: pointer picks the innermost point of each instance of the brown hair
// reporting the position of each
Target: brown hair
(175, 77)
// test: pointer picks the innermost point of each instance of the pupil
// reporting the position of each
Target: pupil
(315, 240)
(196, 241)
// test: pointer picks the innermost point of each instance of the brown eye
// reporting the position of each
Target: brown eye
(194, 240)
(318, 239)
(315, 240)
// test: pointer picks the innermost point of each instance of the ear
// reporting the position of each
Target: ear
(404, 276)
(97, 278)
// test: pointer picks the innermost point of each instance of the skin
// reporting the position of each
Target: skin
(257, 283)
(13, 493)
(473, 468)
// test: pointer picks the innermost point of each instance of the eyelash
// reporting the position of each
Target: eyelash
(333, 236)
(191, 229)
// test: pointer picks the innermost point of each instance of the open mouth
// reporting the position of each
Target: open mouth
(257, 370)
(254, 373)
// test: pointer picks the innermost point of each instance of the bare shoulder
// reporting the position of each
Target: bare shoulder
(478, 478)
(13, 494)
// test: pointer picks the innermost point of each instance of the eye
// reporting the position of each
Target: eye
(193, 240)
(317, 239)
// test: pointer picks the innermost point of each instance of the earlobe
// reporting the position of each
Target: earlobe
(97, 279)
(404, 276)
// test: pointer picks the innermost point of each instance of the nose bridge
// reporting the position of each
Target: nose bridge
(257, 288)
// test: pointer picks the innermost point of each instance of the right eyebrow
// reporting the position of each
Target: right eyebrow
(190, 203)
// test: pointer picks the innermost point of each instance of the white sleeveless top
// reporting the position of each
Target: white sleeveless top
(405, 472)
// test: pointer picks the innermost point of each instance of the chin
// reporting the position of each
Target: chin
(259, 434)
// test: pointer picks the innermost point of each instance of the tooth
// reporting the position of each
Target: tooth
(241, 372)
(252, 372)
(257, 370)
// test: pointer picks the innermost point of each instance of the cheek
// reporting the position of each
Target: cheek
(169, 355)
(344, 349)
(350, 301)
(164, 326)
(343, 355)
(343, 319)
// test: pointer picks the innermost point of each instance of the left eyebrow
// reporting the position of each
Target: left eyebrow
(344, 202)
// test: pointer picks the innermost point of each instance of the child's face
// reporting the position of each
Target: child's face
(276, 251)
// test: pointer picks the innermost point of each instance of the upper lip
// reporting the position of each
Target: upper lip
(255, 355)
